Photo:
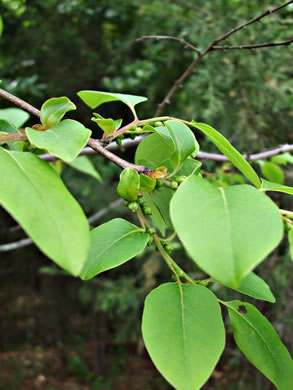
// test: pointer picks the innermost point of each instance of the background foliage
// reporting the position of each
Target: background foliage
(55, 48)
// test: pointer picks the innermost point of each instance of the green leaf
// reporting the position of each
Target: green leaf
(290, 238)
(155, 151)
(15, 116)
(7, 127)
(226, 148)
(53, 110)
(1, 26)
(147, 184)
(95, 98)
(32, 192)
(226, 231)
(177, 331)
(84, 164)
(161, 198)
(268, 186)
(184, 142)
(112, 244)
(156, 216)
(272, 172)
(260, 343)
(190, 167)
(108, 125)
(283, 159)
(65, 140)
(255, 287)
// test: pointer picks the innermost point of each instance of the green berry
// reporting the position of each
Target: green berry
(147, 210)
(168, 249)
(158, 123)
(140, 200)
(174, 185)
(180, 179)
(126, 203)
(151, 230)
(132, 136)
(133, 128)
(133, 206)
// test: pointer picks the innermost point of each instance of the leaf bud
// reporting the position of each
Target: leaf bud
(147, 210)
(168, 249)
(133, 206)
(180, 179)
(132, 136)
(151, 230)
(133, 128)
(140, 200)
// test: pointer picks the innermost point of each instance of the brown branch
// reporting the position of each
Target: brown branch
(210, 47)
(255, 46)
(20, 103)
(181, 40)
(95, 144)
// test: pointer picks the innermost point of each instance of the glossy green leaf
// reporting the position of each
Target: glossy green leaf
(32, 192)
(108, 125)
(190, 167)
(15, 116)
(95, 98)
(272, 172)
(65, 140)
(7, 127)
(161, 199)
(184, 142)
(226, 231)
(283, 159)
(1, 26)
(268, 186)
(226, 148)
(84, 164)
(260, 343)
(255, 287)
(147, 184)
(290, 238)
(112, 244)
(155, 151)
(156, 217)
(184, 333)
(53, 110)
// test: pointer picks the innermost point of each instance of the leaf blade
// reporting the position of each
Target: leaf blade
(112, 244)
(233, 155)
(65, 140)
(259, 342)
(175, 331)
(53, 110)
(35, 196)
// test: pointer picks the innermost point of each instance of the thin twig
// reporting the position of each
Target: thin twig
(209, 48)
(94, 218)
(19, 102)
(95, 144)
(255, 46)
(181, 40)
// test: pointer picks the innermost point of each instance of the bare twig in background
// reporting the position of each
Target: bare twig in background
(255, 46)
(214, 46)
(181, 40)
(94, 218)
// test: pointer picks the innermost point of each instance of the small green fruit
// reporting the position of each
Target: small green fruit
(151, 230)
(133, 206)
(158, 123)
(128, 187)
(174, 185)
(147, 210)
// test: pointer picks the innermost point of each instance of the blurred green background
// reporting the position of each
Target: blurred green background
(61, 333)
